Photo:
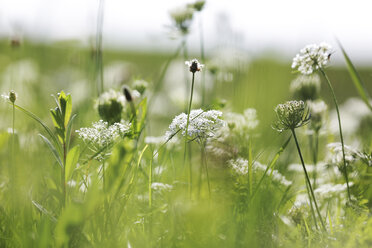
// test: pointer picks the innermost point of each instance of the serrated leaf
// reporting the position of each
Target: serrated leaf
(71, 161)
(53, 149)
(357, 80)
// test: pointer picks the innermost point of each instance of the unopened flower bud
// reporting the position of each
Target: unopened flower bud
(12, 96)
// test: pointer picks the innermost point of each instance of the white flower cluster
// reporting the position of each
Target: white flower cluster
(202, 124)
(161, 187)
(328, 190)
(312, 57)
(336, 156)
(111, 95)
(240, 166)
(243, 122)
(103, 135)
(306, 86)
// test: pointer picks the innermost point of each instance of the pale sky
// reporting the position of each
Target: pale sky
(281, 25)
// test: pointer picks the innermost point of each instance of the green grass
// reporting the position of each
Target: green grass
(120, 215)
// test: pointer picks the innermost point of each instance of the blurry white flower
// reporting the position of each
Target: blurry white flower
(306, 87)
(318, 109)
(194, 65)
(110, 106)
(337, 156)
(312, 57)
(240, 166)
(352, 112)
(161, 186)
(182, 18)
(330, 190)
(202, 124)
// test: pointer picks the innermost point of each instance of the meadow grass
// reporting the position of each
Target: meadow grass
(131, 189)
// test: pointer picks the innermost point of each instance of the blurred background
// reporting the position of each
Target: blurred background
(256, 26)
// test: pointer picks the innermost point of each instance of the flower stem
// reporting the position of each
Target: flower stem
(186, 133)
(340, 129)
(202, 58)
(63, 176)
(308, 179)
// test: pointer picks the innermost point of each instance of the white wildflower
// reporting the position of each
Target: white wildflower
(202, 124)
(312, 58)
(102, 134)
(306, 87)
(336, 156)
(161, 186)
(240, 166)
(330, 190)
(110, 106)
(194, 65)
(182, 18)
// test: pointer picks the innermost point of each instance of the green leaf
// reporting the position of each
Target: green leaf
(143, 106)
(53, 149)
(357, 80)
(69, 130)
(44, 210)
(71, 161)
(68, 109)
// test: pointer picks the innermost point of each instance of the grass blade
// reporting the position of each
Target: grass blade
(53, 149)
(357, 80)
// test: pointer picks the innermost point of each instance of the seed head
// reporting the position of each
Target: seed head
(198, 5)
(312, 58)
(12, 96)
(291, 115)
(194, 65)
(110, 106)
(318, 110)
(127, 94)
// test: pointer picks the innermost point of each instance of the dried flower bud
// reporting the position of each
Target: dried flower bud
(194, 65)
(127, 93)
(306, 87)
(291, 115)
(12, 96)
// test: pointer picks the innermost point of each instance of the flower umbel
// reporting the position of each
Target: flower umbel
(291, 115)
(194, 65)
(202, 124)
(312, 57)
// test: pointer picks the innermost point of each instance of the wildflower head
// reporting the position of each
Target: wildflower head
(318, 110)
(110, 106)
(194, 65)
(291, 115)
(202, 124)
(182, 18)
(312, 58)
(12, 96)
(102, 135)
(306, 87)
(140, 86)
(336, 156)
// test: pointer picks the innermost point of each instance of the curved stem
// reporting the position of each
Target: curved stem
(340, 129)
(308, 179)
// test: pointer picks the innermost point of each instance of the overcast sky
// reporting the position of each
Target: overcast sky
(283, 25)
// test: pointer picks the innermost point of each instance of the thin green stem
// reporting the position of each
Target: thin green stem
(308, 179)
(150, 182)
(340, 129)
(186, 133)
(202, 58)
(250, 166)
(63, 176)
(99, 63)
(206, 167)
